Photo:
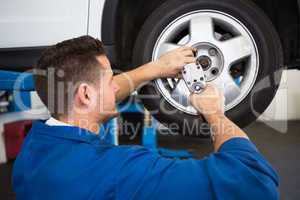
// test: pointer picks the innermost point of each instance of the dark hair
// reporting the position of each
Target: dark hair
(67, 63)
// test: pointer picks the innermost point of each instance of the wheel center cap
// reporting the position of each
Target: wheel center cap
(210, 59)
(204, 61)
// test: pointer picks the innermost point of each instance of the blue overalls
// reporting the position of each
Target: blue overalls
(69, 163)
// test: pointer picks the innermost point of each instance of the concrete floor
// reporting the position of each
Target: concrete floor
(282, 150)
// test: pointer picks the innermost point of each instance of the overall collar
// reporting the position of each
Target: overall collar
(54, 122)
(68, 133)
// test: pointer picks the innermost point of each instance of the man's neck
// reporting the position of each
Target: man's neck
(82, 122)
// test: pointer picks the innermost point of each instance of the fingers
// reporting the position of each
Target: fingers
(209, 90)
(185, 61)
(212, 91)
(188, 60)
(194, 100)
(188, 53)
(184, 48)
(180, 67)
(179, 75)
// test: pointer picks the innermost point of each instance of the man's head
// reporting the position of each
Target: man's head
(74, 79)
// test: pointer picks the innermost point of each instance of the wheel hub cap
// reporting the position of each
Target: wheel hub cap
(204, 61)
(210, 58)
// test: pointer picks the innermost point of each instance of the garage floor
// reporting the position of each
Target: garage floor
(282, 150)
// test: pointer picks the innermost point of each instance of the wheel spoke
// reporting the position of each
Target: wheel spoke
(181, 93)
(229, 86)
(166, 47)
(235, 49)
(201, 30)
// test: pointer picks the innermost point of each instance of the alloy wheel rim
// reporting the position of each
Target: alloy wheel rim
(224, 45)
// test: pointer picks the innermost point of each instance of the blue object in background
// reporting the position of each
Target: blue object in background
(22, 103)
(19, 85)
(238, 80)
(10, 81)
(150, 135)
(109, 132)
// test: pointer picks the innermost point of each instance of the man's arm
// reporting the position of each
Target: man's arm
(236, 171)
(211, 105)
(169, 65)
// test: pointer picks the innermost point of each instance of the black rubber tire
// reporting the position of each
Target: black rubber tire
(270, 55)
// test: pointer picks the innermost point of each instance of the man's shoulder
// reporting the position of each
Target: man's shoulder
(133, 151)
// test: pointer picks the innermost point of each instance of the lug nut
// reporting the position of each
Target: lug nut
(212, 52)
(215, 71)
(197, 87)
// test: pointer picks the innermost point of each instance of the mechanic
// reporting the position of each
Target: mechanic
(65, 157)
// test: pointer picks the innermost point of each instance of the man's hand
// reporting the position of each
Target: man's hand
(170, 64)
(167, 66)
(210, 102)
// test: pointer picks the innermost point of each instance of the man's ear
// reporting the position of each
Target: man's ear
(84, 94)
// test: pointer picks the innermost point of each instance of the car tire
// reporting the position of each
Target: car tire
(265, 85)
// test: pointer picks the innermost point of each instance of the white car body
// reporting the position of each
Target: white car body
(33, 23)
